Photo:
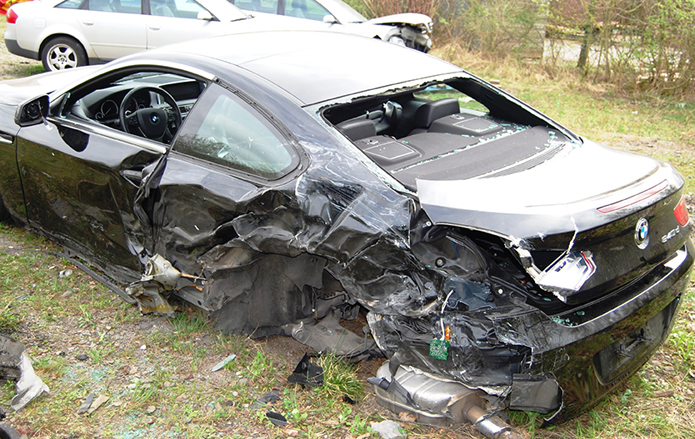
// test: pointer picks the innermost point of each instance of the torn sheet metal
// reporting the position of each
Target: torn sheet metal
(15, 364)
(328, 336)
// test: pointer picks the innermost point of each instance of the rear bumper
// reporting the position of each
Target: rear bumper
(13, 47)
(552, 362)
(587, 361)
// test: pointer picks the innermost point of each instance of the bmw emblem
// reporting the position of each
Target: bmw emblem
(642, 233)
(154, 118)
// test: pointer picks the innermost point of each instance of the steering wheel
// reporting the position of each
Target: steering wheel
(150, 122)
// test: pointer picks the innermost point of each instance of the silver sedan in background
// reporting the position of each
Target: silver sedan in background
(70, 33)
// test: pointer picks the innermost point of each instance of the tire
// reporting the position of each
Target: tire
(62, 53)
(8, 432)
(4, 216)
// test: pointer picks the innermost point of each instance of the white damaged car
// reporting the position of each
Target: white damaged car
(411, 30)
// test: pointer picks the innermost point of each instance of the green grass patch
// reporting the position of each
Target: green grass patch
(602, 112)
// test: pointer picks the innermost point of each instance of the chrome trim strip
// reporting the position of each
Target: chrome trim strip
(141, 142)
(6, 139)
(677, 260)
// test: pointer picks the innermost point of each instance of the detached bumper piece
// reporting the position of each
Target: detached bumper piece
(435, 401)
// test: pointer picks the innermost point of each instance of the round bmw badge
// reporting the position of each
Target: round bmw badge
(642, 233)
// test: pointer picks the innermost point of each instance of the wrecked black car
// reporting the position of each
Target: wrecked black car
(274, 180)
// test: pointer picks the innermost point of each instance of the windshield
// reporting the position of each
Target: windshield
(343, 12)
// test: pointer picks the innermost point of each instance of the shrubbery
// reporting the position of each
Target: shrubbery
(640, 45)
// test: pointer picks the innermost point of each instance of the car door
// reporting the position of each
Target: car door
(114, 28)
(226, 154)
(80, 172)
(173, 21)
(230, 162)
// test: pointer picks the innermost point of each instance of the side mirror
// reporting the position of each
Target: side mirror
(32, 112)
(329, 19)
(204, 15)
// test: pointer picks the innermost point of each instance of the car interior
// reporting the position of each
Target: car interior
(408, 129)
(154, 105)
(117, 102)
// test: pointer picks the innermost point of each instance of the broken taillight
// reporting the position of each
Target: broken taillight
(567, 274)
(681, 212)
(11, 16)
(635, 198)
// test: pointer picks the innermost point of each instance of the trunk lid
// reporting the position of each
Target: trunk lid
(550, 214)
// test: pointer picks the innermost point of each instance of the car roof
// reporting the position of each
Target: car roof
(317, 66)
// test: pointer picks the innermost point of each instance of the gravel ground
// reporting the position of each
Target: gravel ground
(12, 66)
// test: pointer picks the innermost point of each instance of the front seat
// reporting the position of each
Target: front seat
(299, 9)
(162, 10)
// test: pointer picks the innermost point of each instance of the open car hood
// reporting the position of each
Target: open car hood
(406, 18)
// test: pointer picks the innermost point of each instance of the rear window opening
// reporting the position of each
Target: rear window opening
(408, 133)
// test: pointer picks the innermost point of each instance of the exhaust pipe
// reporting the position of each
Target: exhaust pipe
(435, 401)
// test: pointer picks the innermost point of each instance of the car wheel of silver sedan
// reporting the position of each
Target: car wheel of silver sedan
(62, 53)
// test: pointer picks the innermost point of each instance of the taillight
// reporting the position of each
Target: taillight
(635, 198)
(11, 16)
(681, 212)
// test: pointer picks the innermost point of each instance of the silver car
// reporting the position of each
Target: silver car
(71, 33)
(411, 30)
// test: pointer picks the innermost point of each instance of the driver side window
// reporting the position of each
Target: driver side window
(227, 131)
(150, 103)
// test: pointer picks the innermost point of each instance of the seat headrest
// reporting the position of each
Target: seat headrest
(357, 129)
(431, 111)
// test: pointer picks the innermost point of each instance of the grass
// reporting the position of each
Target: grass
(599, 111)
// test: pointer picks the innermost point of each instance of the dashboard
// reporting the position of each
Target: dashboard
(103, 105)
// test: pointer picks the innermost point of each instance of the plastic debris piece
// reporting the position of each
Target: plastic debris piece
(348, 400)
(86, 404)
(439, 349)
(223, 363)
(388, 430)
(276, 418)
(269, 398)
(29, 385)
(306, 373)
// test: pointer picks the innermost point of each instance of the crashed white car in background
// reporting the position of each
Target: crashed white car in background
(411, 30)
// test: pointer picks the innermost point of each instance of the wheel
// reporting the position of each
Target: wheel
(62, 53)
(4, 215)
(148, 121)
(8, 432)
